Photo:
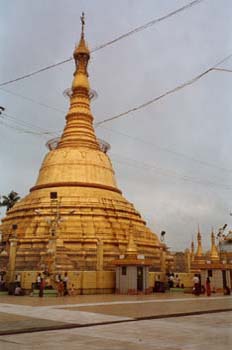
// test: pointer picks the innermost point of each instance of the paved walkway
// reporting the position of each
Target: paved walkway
(177, 333)
(27, 314)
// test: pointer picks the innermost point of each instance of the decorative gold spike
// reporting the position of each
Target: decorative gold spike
(79, 131)
(199, 252)
(213, 252)
(192, 247)
(131, 247)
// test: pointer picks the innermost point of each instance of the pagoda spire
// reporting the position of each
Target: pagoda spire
(192, 250)
(79, 131)
(199, 252)
(131, 246)
(192, 247)
(213, 252)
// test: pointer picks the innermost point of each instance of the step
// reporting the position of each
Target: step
(176, 290)
(46, 293)
(3, 292)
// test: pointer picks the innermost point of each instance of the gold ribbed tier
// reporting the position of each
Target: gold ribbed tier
(88, 214)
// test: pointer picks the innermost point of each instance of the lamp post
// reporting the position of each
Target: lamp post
(54, 222)
(162, 234)
(2, 109)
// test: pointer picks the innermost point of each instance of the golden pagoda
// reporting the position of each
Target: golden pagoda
(199, 253)
(215, 263)
(75, 219)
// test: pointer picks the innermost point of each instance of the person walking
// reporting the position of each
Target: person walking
(171, 280)
(60, 288)
(38, 280)
(208, 287)
(41, 287)
(65, 281)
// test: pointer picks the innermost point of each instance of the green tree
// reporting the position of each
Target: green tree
(9, 200)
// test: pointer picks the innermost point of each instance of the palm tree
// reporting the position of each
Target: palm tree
(9, 200)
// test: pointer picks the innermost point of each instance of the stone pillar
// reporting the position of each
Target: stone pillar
(100, 255)
(188, 260)
(12, 259)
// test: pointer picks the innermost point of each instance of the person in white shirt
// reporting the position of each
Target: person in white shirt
(18, 290)
(38, 280)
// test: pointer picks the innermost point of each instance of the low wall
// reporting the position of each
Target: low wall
(98, 282)
(185, 278)
(84, 282)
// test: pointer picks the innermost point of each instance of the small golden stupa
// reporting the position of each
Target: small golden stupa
(75, 219)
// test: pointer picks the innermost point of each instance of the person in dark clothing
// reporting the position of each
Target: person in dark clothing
(226, 290)
(41, 287)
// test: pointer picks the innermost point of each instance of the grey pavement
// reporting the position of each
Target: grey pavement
(116, 322)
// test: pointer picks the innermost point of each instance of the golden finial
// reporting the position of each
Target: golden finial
(81, 48)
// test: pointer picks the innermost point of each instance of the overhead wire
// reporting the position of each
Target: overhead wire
(39, 131)
(23, 130)
(35, 72)
(169, 92)
(145, 104)
(168, 150)
(133, 163)
(166, 172)
(138, 107)
(223, 70)
(147, 25)
(20, 129)
(23, 126)
(21, 122)
(156, 99)
(32, 100)
(29, 130)
(111, 42)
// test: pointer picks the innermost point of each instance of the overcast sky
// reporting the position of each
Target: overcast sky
(172, 159)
